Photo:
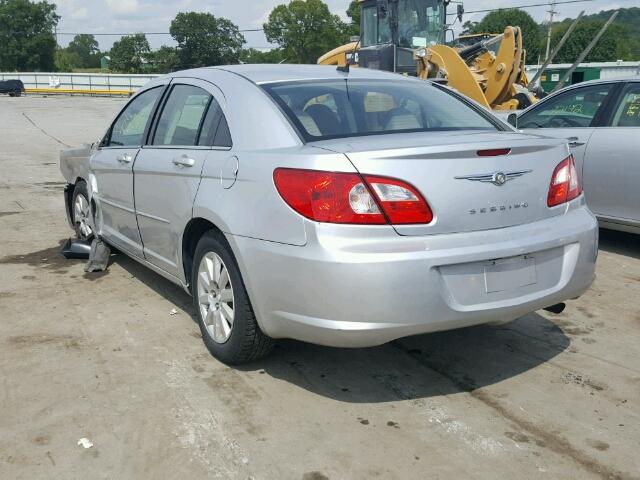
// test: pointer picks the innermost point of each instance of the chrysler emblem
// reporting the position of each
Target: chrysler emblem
(497, 178)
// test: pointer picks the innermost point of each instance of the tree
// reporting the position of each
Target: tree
(85, 48)
(129, 53)
(468, 27)
(613, 45)
(165, 59)
(65, 61)
(251, 55)
(206, 40)
(305, 30)
(26, 35)
(498, 20)
(353, 12)
(629, 19)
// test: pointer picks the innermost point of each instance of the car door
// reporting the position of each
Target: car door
(612, 164)
(168, 169)
(572, 114)
(112, 166)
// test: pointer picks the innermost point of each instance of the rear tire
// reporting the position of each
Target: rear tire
(227, 322)
(81, 212)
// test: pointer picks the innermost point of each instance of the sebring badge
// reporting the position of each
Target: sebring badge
(497, 178)
(499, 208)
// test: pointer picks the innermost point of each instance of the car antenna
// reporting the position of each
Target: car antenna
(345, 68)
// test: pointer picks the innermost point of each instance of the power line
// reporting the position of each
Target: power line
(522, 6)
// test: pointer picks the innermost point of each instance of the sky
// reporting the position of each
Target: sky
(129, 16)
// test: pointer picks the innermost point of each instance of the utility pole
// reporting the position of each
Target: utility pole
(534, 81)
(585, 52)
(552, 11)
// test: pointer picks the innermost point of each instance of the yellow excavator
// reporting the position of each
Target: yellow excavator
(409, 37)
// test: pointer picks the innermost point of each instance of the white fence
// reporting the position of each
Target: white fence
(86, 83)
(119, 84)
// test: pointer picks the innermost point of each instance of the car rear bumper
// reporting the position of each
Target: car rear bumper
(348, 291)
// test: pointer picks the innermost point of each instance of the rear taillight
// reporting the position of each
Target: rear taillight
(335, 197)
(565, 184)
(401, 202)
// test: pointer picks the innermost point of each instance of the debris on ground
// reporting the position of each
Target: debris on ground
(85, 442)
(173, 312)
(98, 257)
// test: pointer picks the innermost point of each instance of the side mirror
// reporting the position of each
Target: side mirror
(459, 11)
(354, 38)
(512, 120)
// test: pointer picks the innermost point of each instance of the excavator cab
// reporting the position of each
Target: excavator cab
(391, 30)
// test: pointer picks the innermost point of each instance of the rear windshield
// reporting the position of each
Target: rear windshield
(348, 108)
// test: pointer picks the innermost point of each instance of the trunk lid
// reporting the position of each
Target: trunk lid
(463, 189)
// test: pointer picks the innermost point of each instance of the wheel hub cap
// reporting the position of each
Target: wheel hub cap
(215, 297)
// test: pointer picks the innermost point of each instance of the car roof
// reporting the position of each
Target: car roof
(634, 78)
(269, 73)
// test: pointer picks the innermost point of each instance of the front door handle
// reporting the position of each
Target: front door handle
(575, 142)
(125, 158)
(184, 161)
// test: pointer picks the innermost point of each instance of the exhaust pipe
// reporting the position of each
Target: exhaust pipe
(557, 308)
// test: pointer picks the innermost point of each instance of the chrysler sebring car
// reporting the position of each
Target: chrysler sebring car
(339, 208)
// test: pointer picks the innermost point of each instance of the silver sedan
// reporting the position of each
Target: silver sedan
(601, 120)
(340, 208)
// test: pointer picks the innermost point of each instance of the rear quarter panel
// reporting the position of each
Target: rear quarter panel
(252, 206)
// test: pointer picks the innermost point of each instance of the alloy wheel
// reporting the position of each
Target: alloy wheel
(81, 215)
(215, 297)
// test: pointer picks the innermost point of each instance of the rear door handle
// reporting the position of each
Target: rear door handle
(125, 158)
(575, 142)
(184, 161)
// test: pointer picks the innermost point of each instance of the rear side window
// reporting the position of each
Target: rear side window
(572, 109)
(215, 131)
(223, 136)
(131, 124)
(182, 116)
(349, 108)
(628, 111)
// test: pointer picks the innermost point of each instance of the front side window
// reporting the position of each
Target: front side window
(628, 111)
(420, 23)
(349, 108)
(131, 124)
(375, 27)
(181, 117)
(572, 109)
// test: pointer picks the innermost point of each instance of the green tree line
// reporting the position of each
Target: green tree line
(621, 41)
(301, 31)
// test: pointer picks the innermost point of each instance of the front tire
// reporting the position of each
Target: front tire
(228, 324)
(81, 212)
